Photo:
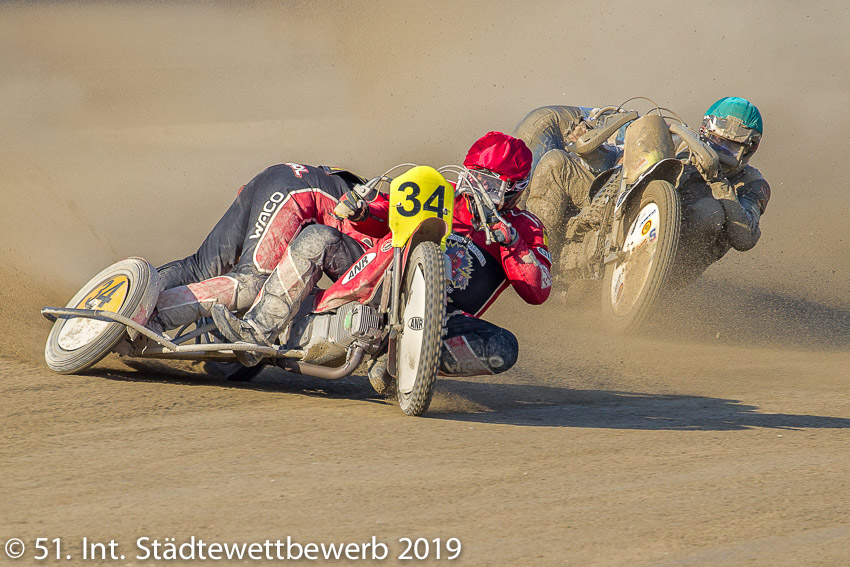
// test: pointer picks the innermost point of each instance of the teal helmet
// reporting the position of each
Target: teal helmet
(733, 127)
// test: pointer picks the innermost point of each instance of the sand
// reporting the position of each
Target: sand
(718, 436)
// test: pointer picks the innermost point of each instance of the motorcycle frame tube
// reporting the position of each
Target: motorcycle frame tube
(52, 313)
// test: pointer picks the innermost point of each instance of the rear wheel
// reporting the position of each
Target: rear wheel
(129, 288)
(633, 283)
(423, 310)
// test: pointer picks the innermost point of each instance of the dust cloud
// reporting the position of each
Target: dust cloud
(716, 436)
(128, 127)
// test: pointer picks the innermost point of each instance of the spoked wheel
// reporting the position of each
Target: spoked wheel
(423, 311)
(129, 287)
(633, 283)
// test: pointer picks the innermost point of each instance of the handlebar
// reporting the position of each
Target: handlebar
(606, 125)
(605, 121)
(484, 210)
(702, 155)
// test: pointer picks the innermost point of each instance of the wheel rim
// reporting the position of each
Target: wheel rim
(631, 274)
(108, 295)
(410, 345)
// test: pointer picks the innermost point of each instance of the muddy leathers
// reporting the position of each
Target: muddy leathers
(249, 241)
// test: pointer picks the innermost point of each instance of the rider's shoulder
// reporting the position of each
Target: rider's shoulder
(288, 168)
(752, 179)
(748, 175)
(345, 174)
(520, 217)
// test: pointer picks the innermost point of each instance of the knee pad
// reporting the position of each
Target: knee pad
(502, 351)
(249, 286)
(313, 240)
(555, 163)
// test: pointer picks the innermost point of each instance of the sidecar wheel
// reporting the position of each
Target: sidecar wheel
(650, 239)
(129, 287)
(423, 311)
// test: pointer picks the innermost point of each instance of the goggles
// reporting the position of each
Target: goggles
(729, 138)
(493, 185)
(731, 128)
(726, 149)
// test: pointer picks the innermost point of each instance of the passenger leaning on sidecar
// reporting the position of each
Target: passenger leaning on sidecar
(249, 241)
(480, 271)
(718, 215)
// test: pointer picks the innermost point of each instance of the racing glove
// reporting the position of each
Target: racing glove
(504, 234)
(742, 216)
(352, 207)
(709, 168)
(722, 189)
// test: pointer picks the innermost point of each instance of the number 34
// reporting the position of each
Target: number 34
(435, 203)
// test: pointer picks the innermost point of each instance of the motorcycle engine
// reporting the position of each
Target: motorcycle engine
(354, 321)
(325, 337)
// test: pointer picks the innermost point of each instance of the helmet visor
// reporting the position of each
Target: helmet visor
(513, 194)
(728, 151)
(493, 185)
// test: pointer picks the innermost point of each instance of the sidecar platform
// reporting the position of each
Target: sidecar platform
(165, 347)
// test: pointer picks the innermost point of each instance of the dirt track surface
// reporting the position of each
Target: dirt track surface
(719, 436)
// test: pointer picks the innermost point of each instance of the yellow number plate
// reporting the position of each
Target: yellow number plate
(420, 193)
(108, 296)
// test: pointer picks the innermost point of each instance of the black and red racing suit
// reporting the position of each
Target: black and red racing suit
(247, 243)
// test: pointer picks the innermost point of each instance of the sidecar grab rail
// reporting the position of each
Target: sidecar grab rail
(52, 313)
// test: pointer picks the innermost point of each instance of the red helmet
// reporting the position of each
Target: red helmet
(506, 157)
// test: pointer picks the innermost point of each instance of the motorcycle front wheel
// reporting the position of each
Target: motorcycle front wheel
(632, 283)
(423, 301)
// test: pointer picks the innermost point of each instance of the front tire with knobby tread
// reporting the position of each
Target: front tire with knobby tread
(663, 195)
(425, 262)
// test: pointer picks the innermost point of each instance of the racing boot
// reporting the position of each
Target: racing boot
(380, 378)
(238, 330)
(278, 301)
(316, 250)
